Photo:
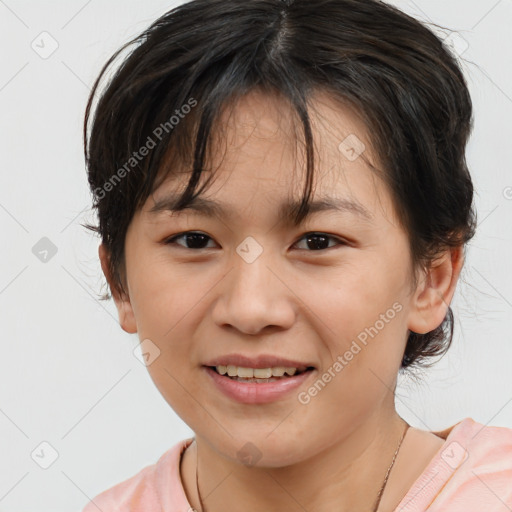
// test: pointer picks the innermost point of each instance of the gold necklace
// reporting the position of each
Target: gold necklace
(379, 496)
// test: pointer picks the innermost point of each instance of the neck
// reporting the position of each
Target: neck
(350, 473)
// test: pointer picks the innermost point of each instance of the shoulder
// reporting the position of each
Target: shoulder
(477, 460)
(473, 445)
(471, 471)
(132, 494)
(483, 458)
(156, 487)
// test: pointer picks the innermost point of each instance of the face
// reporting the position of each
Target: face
(333, 293)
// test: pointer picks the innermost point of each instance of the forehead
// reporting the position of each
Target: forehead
(258, 120)
(255, 153)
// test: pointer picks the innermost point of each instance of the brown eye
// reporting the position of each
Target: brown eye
(319, 241)
(193, 240)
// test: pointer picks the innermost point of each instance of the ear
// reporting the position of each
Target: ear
(435, 292)
(122, 301)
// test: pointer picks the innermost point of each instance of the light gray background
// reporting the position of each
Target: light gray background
(68, 372)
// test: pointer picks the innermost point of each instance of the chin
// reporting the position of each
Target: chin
(261, 450)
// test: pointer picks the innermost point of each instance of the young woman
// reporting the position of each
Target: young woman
(284, 202)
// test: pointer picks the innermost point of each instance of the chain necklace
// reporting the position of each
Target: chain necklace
(379, 496)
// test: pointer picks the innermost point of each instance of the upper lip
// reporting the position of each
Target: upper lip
(260, 361)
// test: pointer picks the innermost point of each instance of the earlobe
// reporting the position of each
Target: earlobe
(435, 292)
(126, 317)
(122, 301)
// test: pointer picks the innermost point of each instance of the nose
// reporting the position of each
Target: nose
(255, 297)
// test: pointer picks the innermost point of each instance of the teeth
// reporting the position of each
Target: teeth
(259, 373)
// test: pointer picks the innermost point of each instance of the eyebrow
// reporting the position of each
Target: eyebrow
(287, 210)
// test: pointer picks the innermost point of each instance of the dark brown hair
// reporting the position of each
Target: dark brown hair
(399, 76)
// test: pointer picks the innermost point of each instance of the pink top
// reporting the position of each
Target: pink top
(471, 472)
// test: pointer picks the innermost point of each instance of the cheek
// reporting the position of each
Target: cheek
(175, 383)
(355, 295)
(162, 295)
(363, 318)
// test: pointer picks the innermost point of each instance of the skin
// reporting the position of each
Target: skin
(293, 301)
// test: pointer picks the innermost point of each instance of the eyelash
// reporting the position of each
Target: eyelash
(172, 240)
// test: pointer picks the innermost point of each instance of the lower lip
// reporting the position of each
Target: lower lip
(254, 393)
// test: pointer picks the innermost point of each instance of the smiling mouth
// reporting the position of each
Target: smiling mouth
(259, 375)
